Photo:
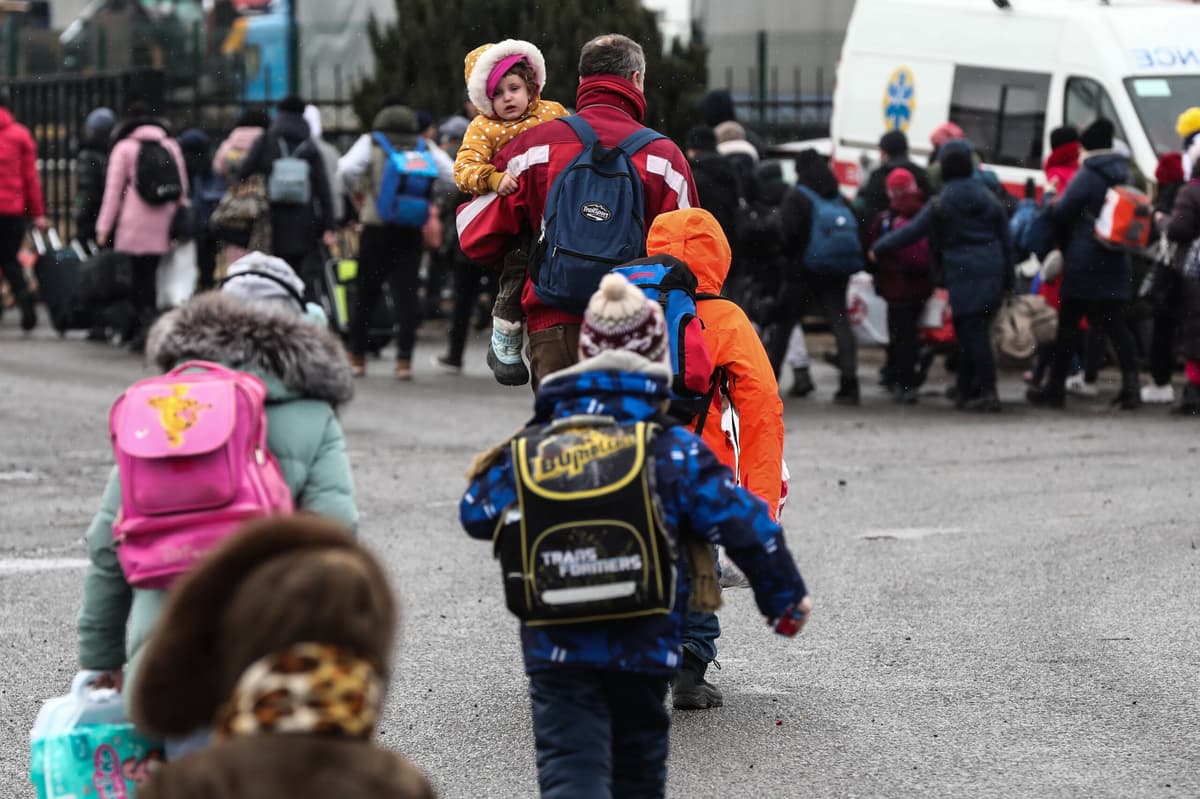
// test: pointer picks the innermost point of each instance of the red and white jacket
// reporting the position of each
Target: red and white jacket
(614, 108)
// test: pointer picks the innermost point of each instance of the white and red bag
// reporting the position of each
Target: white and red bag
(1126, 220)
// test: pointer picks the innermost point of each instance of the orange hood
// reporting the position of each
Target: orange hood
(693, 236)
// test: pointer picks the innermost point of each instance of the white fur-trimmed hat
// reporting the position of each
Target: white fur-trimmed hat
(483, 59)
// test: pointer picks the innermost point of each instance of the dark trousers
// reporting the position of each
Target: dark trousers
(468, 278)
(512, 283)
(12, 233)
(392, 253)
(1107, 316)
(902, 343)
(976, 361)
(1162, 346)
(145, 286)
(600, 734)
(206, 260)
(829, 293)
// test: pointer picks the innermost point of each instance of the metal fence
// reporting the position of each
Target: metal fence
(787, 107)
(54, 108)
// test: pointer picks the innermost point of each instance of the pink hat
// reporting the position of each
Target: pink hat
(944, 133)
(499, 71)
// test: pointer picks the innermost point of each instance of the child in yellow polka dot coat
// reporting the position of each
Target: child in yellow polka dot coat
(505, 82)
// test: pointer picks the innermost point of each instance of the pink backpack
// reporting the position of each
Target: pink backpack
(191, 449)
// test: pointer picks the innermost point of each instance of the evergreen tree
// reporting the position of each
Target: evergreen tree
(420, 57)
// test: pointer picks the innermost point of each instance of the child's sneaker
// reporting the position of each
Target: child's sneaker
(504, 355)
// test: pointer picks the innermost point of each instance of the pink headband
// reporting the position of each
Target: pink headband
(498, 72)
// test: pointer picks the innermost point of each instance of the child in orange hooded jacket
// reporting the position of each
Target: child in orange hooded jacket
(750, 439)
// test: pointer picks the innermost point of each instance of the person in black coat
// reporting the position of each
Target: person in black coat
(296, 230)
(826, 289)
(91, 167)
(968, 228)
(1097, 281)
(716, 181)
(872, 198)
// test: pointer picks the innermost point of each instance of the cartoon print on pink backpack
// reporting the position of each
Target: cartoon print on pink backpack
(177, 413)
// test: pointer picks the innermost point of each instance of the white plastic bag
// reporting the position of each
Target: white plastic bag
(81, 744)
(867, 311)
(177, 275)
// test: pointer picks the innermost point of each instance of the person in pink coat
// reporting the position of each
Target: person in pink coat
(143, 231)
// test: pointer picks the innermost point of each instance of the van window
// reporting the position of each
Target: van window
(1002, 112)
(1086, 101)
(1158, 101)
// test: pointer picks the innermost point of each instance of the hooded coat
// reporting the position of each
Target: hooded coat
(696, 496)
(91, 168)
(142, 229)
(295, 229)
(487, 134)
(694, 237)
(1091, 272)
(307, 376)
(968, 227)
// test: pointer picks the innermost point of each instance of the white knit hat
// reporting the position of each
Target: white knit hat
(620, 317)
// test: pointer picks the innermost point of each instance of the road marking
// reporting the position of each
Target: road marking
(18, 476)
(909, 533)
(29, 565)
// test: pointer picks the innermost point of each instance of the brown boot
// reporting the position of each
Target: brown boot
(403, 370)
(358, 365)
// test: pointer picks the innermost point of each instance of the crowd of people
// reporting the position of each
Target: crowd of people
(614, 570)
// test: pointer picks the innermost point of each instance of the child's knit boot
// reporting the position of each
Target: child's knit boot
(504, 355)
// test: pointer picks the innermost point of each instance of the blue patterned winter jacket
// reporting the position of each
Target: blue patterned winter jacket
(696, 493)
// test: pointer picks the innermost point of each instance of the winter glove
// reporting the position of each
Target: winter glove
(792, 620)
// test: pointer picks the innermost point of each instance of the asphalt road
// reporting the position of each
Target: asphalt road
(1006, 605)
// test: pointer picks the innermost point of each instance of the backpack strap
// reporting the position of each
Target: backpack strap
(295, 295)
(382, 141)
(718, 382)
(638, 139)
(582, 130)
(283, 148)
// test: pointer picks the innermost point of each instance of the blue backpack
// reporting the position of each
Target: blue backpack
(670, 283)
(833, 244)
(406, 186)
(594, 219)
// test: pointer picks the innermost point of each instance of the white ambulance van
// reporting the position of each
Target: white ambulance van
(1010, 71)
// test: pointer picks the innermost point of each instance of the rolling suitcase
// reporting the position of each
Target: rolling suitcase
(340, 297)
(57, 271)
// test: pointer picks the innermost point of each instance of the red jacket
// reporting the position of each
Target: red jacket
(615, 109)
(20, 189)
(1062, 164)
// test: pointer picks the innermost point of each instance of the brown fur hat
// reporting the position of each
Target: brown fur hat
(281, 581)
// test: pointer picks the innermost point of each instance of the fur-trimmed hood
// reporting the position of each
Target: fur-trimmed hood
(482, 60)
(304, 359)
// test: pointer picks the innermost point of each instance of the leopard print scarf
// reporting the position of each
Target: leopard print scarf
(309, 689)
